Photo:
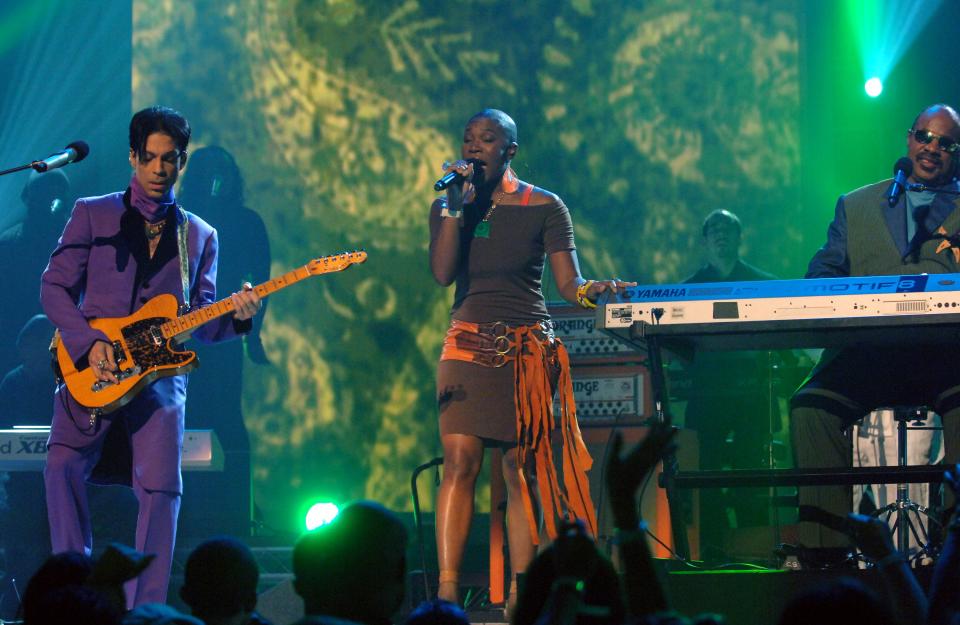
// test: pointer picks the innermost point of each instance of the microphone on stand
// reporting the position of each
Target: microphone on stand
(73, 153)
(455, 177)
(901, 171)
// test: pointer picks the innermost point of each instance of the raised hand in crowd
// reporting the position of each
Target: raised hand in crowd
(624, 476)
(570, 583)
(904, 596)
(944, 595)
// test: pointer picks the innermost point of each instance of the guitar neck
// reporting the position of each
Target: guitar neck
(188, 322)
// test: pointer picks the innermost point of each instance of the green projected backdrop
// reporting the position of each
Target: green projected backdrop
(642, 116)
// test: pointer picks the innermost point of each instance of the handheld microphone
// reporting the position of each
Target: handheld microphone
(901, 171)
(455, 177)
(73, 153)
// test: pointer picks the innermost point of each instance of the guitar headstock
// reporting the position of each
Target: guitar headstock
(336, 262)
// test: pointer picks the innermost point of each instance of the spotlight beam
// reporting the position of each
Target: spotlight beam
(885, 29)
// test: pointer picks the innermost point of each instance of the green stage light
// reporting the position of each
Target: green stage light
(319, 514)
(882, 31)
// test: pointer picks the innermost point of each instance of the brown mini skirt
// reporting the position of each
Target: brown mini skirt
(494, 377)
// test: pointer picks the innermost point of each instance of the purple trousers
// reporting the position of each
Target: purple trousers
(149, 431)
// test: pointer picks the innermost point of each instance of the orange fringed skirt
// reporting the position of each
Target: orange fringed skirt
(533, 351)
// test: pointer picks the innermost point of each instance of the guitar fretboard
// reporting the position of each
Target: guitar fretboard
(189, 321)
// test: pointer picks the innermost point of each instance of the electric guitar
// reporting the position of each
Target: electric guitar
(145, 343)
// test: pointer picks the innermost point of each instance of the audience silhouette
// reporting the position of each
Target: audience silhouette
(352, 572)
(71, 587)
(220, 582)
(353, 568)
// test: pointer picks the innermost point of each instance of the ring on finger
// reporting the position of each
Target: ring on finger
(101, 364)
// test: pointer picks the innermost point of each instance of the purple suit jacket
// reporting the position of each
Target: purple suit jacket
(94, 272)
(101, 268)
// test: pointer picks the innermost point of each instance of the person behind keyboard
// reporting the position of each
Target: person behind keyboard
(729, 404)
(915, 232)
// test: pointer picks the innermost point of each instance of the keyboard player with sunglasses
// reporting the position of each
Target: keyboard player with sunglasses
(875, 232)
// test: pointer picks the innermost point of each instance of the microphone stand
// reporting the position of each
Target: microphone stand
(918, 186)
(32, 164)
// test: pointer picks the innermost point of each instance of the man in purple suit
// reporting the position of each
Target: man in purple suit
(117, 252)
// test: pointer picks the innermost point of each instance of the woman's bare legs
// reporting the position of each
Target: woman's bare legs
(462, 458)
(519, 538)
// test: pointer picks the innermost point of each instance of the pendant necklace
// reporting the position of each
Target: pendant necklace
(482, 231)
(153, 230)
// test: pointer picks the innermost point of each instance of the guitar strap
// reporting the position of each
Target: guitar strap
(183, 226)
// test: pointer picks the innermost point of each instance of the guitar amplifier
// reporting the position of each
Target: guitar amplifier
(585, 343)
(611, 395)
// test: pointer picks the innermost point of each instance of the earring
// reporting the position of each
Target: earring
(510, 183)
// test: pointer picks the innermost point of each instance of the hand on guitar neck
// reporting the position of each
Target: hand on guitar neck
(145, 345)
(103, 362)
(246, 303)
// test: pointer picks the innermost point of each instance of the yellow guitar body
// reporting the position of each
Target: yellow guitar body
(142, 354)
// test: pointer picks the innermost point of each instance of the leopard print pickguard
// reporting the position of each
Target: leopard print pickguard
(148, 348)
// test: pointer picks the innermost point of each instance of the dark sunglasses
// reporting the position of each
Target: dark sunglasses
(926, 137)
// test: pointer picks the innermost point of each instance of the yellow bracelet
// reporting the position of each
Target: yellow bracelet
(582, 299)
